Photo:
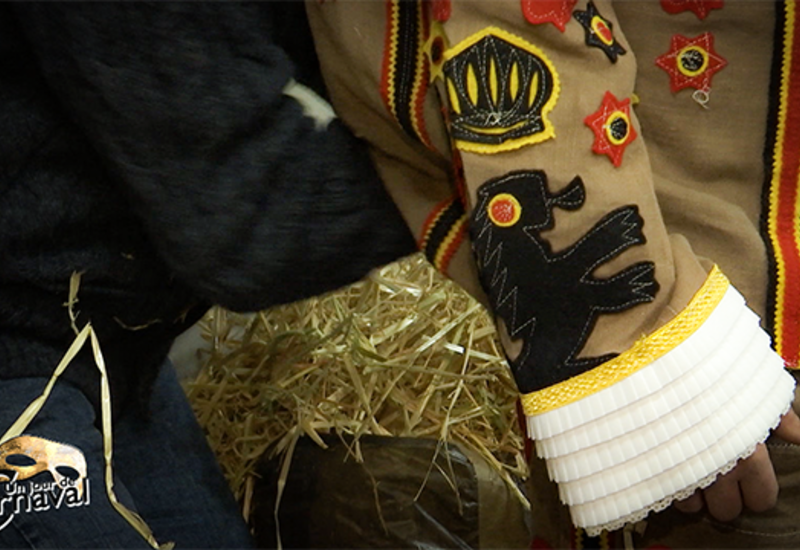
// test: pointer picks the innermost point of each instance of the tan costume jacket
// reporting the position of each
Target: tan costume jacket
(583, 167)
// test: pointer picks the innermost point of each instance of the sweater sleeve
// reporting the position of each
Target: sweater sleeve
(643, 373)
(249, 201)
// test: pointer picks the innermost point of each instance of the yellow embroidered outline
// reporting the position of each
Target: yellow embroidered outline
(435, 66)
(595, 23)
(640, 355)
(512, 144)
(692, 48)
(616, 115)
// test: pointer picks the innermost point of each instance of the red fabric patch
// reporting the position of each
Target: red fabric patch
(612, 127)
(557, 12)
(603, 31)
(699, 7)
(691, 62)
(503, 212)
(441, 9)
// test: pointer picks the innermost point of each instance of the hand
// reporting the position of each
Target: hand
(752, 483)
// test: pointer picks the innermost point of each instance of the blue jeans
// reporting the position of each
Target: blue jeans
(163, 469)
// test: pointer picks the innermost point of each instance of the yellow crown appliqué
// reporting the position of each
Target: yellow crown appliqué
(500, 89)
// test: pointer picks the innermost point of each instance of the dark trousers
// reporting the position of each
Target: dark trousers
(163, 469)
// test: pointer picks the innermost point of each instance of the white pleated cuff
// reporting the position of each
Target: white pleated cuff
(671, 426)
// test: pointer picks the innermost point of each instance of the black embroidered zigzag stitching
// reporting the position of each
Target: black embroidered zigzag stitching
(508, 113)
(551, 300)
(612, 50)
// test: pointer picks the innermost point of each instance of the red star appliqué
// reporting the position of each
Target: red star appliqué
(699, 7)
(441, 9)
(612, 127)
(691, 63)
(557, 12)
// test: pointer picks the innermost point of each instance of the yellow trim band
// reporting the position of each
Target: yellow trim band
(445, 250)
(781, 280)
(644, 352)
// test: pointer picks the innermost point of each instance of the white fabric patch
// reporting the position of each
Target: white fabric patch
(313, 105)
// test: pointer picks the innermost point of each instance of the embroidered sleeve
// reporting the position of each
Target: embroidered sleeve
(642, 375)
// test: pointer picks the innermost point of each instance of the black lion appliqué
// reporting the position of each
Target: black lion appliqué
(552, 300)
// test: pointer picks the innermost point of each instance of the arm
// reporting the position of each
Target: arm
(641, 403)
(247, 200)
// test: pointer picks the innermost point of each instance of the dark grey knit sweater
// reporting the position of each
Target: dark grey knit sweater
(150, 147)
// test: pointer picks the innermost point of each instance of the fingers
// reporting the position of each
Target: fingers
(789, 428)
(759, 486)
(752, 484)
(723, 498)
(691, 505)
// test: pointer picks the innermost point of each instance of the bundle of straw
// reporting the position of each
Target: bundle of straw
(403, 353)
